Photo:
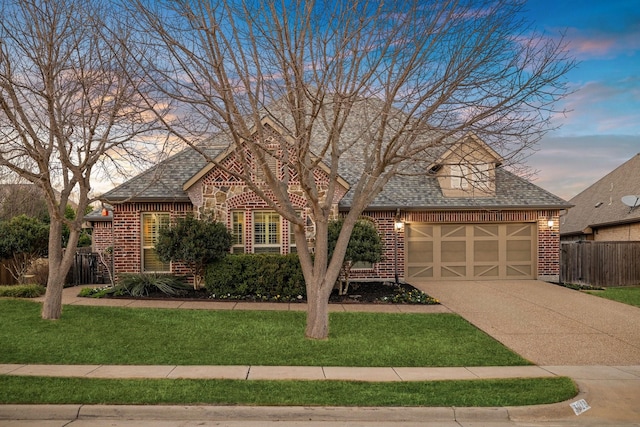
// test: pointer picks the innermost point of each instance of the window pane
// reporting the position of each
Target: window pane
(237, 226)
(266, 232)
(152, 223)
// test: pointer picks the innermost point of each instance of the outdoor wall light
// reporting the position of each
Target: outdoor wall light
(550, 223)
(398, 225)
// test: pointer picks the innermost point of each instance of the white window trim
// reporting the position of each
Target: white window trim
(266, 246)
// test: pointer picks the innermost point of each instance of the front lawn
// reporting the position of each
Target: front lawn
(500, 392)
(627, 295)
(125, 336)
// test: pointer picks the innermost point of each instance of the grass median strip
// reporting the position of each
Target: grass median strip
(126, 336)
(498, 392)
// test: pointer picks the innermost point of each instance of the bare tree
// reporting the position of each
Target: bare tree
(69, 105)
(410, 76)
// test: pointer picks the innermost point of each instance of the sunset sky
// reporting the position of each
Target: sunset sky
(602, 130)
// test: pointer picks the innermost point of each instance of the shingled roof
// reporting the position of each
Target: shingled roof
(601, 203)
(165, 181)
(423, 192)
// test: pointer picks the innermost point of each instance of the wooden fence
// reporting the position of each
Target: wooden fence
(5, 276)
(600, 263)
(86, 270)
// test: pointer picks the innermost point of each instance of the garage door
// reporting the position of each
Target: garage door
(470, 251)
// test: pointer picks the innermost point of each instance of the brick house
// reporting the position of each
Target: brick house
(464, 218)
(599, 213)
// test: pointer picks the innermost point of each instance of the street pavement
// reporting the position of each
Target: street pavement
(596, 342)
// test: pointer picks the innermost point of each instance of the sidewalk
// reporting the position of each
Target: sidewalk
(378, 374)
(613, 392)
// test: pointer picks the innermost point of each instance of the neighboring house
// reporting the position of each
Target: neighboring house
(600, 214)
(464, 218)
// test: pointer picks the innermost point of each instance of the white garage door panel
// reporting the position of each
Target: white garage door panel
(470, 251)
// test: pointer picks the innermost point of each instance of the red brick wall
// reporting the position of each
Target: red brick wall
(549, 245)
(101, 239)
(385, 223)
(128, 235)
(127, 244)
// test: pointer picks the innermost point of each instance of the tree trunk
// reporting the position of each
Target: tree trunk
(318, 310)
(59, 265)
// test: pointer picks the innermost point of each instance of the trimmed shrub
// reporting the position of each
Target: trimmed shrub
(22, 291)
(194, 242)
(262, 276)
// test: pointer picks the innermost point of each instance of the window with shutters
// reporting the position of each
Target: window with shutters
(152, 223)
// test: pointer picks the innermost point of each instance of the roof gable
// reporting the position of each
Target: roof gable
(469, 150)
(601, 204)
(225, 155)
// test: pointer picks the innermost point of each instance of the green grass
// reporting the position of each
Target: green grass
(627, 295)
(22, 291)
(125, 336)
(502, 392)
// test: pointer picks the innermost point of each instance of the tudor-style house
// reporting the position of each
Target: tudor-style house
(465, 218)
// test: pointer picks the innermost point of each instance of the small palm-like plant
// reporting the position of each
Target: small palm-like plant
(138, 285)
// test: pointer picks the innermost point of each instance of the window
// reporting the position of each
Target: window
(362, 265)
(237, 229)
(152, 223)
(476, 175)
(266, 232)
(458, 177)
(481, 176)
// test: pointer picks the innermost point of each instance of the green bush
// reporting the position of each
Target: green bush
(138, 285)
(102, 291)
(22, 291)
(262, 276)
(194, 242)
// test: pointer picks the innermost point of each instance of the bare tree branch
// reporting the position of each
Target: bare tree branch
(69, 105)
(384, 86)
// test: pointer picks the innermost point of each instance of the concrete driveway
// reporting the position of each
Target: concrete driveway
(545, 323)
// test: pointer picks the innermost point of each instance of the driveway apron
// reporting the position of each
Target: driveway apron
(545, 323)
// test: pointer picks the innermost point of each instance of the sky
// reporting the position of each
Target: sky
(602, 128)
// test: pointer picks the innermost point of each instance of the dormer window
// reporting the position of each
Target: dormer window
(464, 177)
(459, 174)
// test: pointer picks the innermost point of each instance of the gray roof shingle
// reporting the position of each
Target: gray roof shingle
(423, 192)
(165, 181)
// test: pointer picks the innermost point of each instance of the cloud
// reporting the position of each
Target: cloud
(568, 165)
(606, 106)
(598, 44)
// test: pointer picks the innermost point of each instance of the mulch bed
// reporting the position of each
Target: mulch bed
(363, 293)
